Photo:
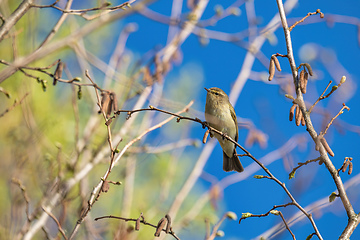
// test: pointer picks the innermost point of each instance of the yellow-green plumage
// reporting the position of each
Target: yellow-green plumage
(220, 114)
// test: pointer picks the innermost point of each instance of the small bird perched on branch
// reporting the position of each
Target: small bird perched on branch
(220, 114)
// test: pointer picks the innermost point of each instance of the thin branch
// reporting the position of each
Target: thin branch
(338, 114)
(214, 233)
(80, 12)
(272, 211)
(25, 195)
(57, 223)
(320, 98)
(286, 225)
(58, 24)
(14, 105)
(307, 15)
(300, 164)
(142, 220)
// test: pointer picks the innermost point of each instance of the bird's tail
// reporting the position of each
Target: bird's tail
(232, 164)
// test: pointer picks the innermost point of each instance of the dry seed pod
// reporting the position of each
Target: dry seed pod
(114, 101)
(168, 225)
(302, 81)
(306, 78)
(105, 100)
(309, 68)
(58, 72)
(292, 110)
(105, 187)
(302, 120)
(346, 164)
(350, 168)
(137, 224)
(276, 61)
(160, 227)
(298, 116)
(271, 69)
(205, 136)
(326, 146)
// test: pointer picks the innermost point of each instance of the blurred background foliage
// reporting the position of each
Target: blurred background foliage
(40, 138)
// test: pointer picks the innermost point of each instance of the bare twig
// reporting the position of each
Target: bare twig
(140, 220)
(272, 211)
(300, 164)
(338, 114)
(320, 98)
(307, 15)
(57, 223)
(14, 105)
(214, 232)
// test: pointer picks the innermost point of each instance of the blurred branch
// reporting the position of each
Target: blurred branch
(105, 8)
(9, 22)
(166, 147)
(61, 230)
(58, 24)
(14, 105)
(168, 51)
(52, 47)
(215, 232)
(28, 231)
(97, 189)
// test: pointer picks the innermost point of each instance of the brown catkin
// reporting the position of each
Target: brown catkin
(298, 116)
(327, 147)
(346, 164)
(277, 63)
(350, 168)
(168, 225)
(302, 120)
(205, 136)
(137, 224)
(58, 72)
(292, 110)
(160, 227)
(271, 69)
(302, 81)
(309, 69)
(306, 78)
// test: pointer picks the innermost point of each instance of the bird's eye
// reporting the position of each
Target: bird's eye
(216, 93)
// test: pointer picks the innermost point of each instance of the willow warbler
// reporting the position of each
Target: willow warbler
(220, 114)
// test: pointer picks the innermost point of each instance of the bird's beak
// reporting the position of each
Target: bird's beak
(206, 89)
